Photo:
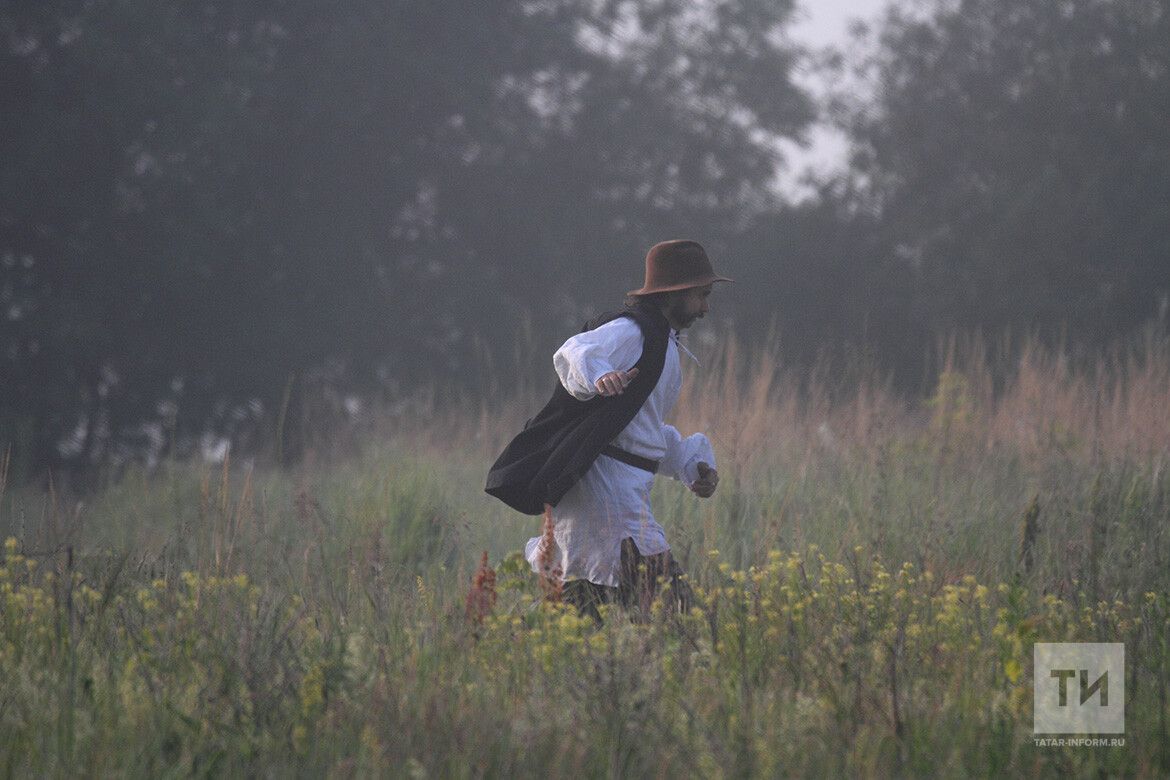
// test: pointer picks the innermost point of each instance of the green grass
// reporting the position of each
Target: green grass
(869, 598)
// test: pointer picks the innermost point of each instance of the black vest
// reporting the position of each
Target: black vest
(560, 443)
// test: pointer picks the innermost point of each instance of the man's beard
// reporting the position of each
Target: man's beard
(679, 314)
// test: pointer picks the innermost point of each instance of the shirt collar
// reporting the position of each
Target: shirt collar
(676, 336)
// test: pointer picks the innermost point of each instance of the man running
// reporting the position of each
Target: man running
(592, 452)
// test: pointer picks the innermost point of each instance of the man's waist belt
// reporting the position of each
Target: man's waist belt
(630, 459)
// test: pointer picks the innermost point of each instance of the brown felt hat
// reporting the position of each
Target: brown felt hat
(677, 265)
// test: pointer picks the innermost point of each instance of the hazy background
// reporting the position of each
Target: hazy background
(238, 221)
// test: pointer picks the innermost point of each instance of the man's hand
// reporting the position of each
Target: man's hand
(615, 382)
(708, 480)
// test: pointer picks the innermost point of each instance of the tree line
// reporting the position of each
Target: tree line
(210, 210)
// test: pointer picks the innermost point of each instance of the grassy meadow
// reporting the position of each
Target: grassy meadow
(872, 574)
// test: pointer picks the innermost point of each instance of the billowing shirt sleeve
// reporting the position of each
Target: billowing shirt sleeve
(684, 455)
(586, 357)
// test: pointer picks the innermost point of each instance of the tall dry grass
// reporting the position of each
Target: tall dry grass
(872, 573)
(1111, 404)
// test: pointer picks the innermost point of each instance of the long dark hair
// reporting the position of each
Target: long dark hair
(657, 300)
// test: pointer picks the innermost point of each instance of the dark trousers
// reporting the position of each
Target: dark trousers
(638, 581)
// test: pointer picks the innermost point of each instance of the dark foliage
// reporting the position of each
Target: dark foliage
(224, 217)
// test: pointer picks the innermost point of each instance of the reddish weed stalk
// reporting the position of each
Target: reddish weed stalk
(551, 573)
(481, 599)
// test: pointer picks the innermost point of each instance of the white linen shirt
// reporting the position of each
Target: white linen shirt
(611, 502)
